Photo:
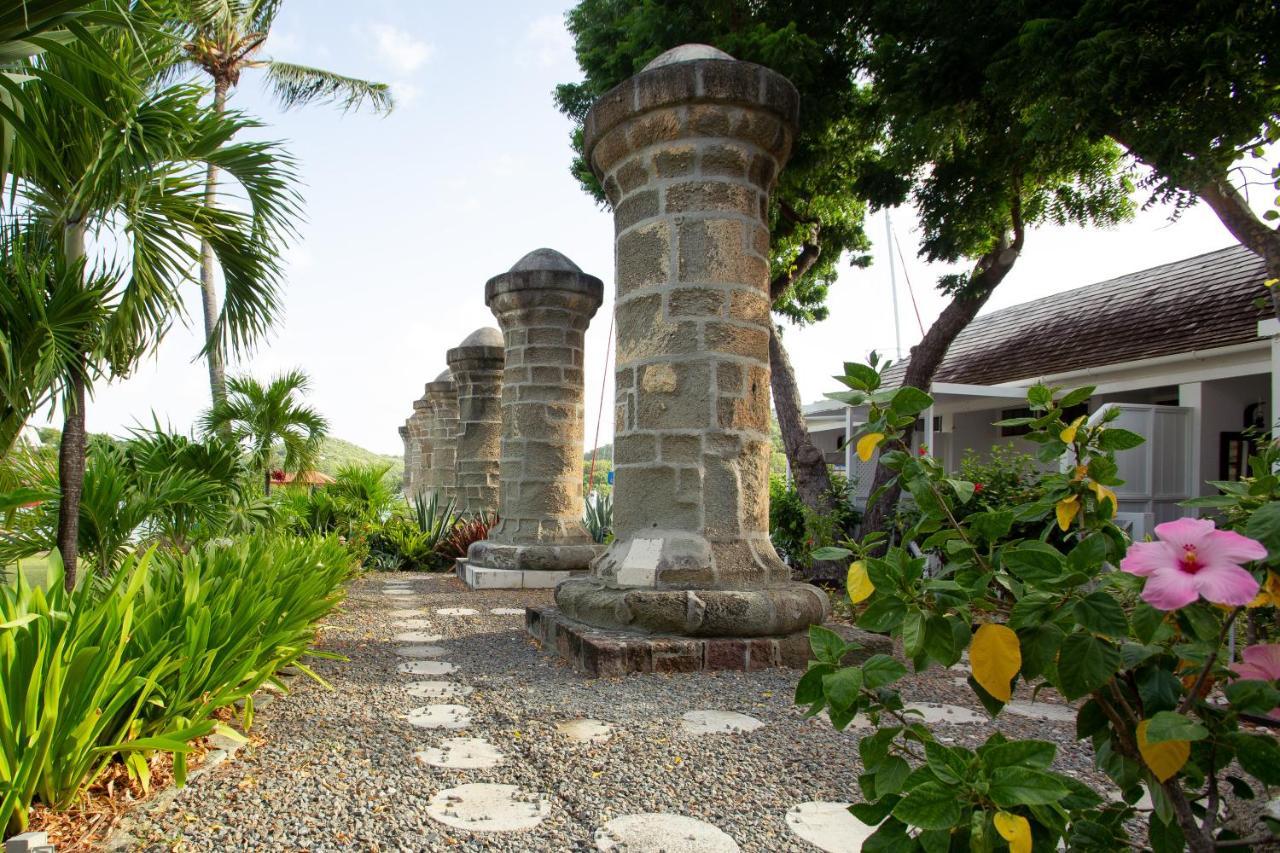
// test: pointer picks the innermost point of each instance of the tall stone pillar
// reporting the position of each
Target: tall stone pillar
(476, 365)
(543, 304)
(419, 427)
(442, 426)
(688, 151)
(408, 464)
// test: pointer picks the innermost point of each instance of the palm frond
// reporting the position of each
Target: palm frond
(301, 85)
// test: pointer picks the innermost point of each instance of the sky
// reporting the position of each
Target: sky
(409, 215)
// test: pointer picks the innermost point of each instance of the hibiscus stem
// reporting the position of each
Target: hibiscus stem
(1194, 693)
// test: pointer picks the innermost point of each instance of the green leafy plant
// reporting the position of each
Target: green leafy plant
(468, 529)
(597, 515)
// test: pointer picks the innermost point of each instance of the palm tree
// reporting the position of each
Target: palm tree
(101, 150)
(223, 38)
(264, 416)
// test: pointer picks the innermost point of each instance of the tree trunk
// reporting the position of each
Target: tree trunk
(1247, 227)
(266, 479)
(208, 287)
(71, 451)
(927, 356)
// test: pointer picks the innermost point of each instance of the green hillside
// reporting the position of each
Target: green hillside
(335, 453)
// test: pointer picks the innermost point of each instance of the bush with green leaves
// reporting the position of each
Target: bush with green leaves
(1142, 650)
(796, 530)
(140, 661)
(597, 515)
(411, 539)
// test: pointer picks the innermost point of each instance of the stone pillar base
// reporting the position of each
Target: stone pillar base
(484, 577)
(533, 558)
(602, 653)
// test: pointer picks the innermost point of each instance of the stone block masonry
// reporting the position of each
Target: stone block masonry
(688, 151)
(476, 366)
(442, 423)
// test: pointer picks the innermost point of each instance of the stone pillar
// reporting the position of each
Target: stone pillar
(543, 305)
(688, 151)
(408, 465)
(442, 425)
(476, 365)
(419, 426)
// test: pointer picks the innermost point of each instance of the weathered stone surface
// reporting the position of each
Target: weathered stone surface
(489, 807)
(442, 438)
(476, 365)
(662, 833)
(828, 826)
(689, 150)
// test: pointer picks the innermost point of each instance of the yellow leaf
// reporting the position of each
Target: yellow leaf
(1015, 829)
(867, 445)
(858, 583)
(1068, 435)
(1102, 492)
(1165, 758)
(1269, 594)
(996, 658)
(1271, 282)
(1067, 509)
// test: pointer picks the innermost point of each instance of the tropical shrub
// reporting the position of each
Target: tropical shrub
(411, 540)
(468, 529)
(141, 660)
(597, 515)
(1143, 649)
(796, 530)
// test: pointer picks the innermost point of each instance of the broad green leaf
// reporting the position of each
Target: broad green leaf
(931, 805)
(1167, 726)
(1022, 786)
(842, 686)
(910, 401)
(827, 645)
(1115, 438)
(1102, 614)
(1085, 663)
(879, 670)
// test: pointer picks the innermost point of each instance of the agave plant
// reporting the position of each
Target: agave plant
(597, 515)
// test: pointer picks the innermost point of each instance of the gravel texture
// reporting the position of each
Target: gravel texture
(336, 769)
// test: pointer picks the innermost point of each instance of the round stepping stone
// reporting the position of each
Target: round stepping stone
(585, 731)
(461, 753)
(507, 611)
(487, 807)
(406, 614)
(457, 611)
(829, 827)
(1042, 711)
(414, 624)
(718, 722)
(440, 717)
(421, 651)
(417, 637)
(932, 712)
(438, 690)
(427, 667)
(662, 833)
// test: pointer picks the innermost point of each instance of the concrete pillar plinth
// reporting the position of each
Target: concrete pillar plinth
(476, 366)
(688, 151)
(543, 304)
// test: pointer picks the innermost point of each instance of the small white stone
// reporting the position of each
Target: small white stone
(461, 753)
(417, 637)
(829, 827)
(414, 624)
(718, 722)
(1042, 711)
(585, 731)
(407, 614)
(420, 651)
(662, 833)
(427, 667)
(487, 807)
(438, 690)
(456, 611)
(932, 712)
(507, 611)
(440, 717)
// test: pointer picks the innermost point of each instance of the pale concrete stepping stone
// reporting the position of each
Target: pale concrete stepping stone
(421, 651)
(488, 807)
(417, 637)
(932, 712)
(718, 722)
(662, 833)
(407, 614)
(440, 717)
(507, 611)
(461, 753)
(829, 827)
(414, 624)
(585, 731)
(457, 611)
(427, 667)
(438, 690)
(1042, 711)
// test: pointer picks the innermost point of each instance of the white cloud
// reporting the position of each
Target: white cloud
(399, 49)
(549, 41)
(405, 92)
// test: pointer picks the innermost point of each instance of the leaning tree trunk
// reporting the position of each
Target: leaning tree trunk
(927, 356)
(71, 451)
(1247, 227)
(208, 287)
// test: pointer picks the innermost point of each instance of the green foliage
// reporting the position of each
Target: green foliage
(335, 454)
(796, 531)
(140, 661)
(412, 541)
(469, 529)
(597, 514)
(1034, 572)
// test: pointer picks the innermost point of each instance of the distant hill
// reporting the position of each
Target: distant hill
(604, 451)
(336, 453)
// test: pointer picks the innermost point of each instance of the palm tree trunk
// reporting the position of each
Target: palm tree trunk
(208, 287)
(266, 479)
(71, 452)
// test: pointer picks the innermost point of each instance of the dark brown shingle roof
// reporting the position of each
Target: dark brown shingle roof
(1195, 304)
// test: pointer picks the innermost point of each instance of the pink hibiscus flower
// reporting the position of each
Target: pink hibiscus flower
(1261, 663)
(1192, 558)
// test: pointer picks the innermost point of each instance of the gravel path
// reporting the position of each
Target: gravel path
(335, 770)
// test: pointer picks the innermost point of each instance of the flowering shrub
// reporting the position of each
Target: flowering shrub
(1142, 652)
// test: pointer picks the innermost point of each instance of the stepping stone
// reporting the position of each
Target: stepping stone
(932, 712)
(440, 717)
(414, 624)
(487, 807)
(662, 833)
(829, 827)
(438, 690)
(507, 611)
(585, 731)
(1042, 711)
(417, 637)
(421, 651)
(406, 614)
(457, 611)
(718, 722)
(427, 667)
(461, 753)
